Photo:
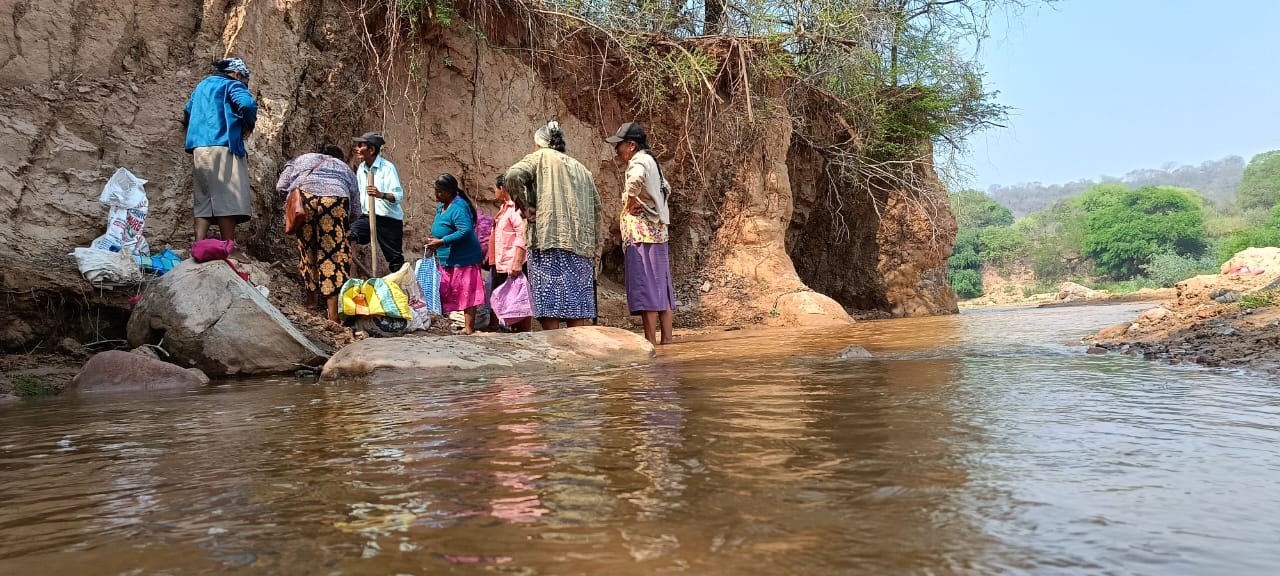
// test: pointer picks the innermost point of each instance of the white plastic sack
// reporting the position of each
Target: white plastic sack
(125, 195)
(407, 279)
(103, 267)
(124, 190)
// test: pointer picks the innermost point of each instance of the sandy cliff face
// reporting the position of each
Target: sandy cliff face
(89, 86)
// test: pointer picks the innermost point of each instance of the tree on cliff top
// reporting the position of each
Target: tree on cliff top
(895, 65)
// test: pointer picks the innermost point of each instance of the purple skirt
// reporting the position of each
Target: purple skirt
(648, 277)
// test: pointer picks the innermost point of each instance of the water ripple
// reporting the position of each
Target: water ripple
(977, 444)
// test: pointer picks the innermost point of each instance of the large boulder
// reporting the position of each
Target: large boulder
(411, 358)
(206, 316)
(118, 371)
(807, 308)
(1072, 292)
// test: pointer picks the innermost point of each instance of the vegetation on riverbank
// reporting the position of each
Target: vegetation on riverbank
(1114, 236)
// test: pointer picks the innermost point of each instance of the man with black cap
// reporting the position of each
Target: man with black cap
(643, 223)
(382, 188)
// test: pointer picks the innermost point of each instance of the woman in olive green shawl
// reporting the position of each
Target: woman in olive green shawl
(563, 213)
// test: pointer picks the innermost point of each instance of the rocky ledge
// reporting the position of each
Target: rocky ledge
(1231, 319)
(414, 358)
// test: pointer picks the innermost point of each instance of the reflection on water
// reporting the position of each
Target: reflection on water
(981, 443)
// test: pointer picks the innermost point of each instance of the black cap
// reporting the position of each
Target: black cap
(371, 138)
(631, 131)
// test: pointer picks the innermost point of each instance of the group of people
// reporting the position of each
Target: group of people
(545, 228)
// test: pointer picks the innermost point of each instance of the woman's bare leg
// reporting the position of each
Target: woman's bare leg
(650, 321)
(332, 303)
(469, 320)
(227, 227)
(667, 317)
(202, 228)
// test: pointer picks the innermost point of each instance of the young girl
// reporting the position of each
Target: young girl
(508, 245)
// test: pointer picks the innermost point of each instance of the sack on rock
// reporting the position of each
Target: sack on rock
(158, 264)
(373, 297)
(128, 214)
(107, 268)
(212, 249)
(407, 280)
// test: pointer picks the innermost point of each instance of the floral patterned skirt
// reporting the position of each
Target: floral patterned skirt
(324, 257)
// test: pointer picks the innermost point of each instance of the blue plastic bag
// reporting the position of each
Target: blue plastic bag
(158, 264)
(429, 280)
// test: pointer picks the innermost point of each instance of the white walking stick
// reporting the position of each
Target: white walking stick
(373, 229)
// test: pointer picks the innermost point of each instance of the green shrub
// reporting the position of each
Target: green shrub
(1125, 228)
(1260, 183)
(1257, 300)
(1259, 237)
(966, 283)
(1040, 287)
(1125, 286)
(1002, 246)
(965, 260)
(31, 386)
(975, 210)
(1169, 268)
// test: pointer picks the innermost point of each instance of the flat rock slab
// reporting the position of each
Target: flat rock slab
(411, 358)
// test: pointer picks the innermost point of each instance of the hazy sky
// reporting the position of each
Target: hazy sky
(1108, 86)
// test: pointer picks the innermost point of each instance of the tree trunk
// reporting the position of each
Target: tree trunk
(713, 11)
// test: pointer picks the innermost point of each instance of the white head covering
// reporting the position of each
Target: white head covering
(543, 136)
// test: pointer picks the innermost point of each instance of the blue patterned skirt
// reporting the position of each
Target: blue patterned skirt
(563, 284)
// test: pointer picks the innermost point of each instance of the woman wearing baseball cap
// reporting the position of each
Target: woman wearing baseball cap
(644, 224)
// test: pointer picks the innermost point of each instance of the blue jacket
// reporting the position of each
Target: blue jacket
(220, 111)
(454, 226)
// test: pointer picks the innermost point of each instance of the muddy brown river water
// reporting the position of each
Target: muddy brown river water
(982, 443)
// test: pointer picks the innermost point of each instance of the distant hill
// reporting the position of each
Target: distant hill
(1216, 180)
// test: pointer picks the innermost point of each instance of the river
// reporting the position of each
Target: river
(982, 443)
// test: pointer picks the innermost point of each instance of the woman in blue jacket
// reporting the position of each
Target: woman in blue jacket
(458, 251)
(218, 116)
